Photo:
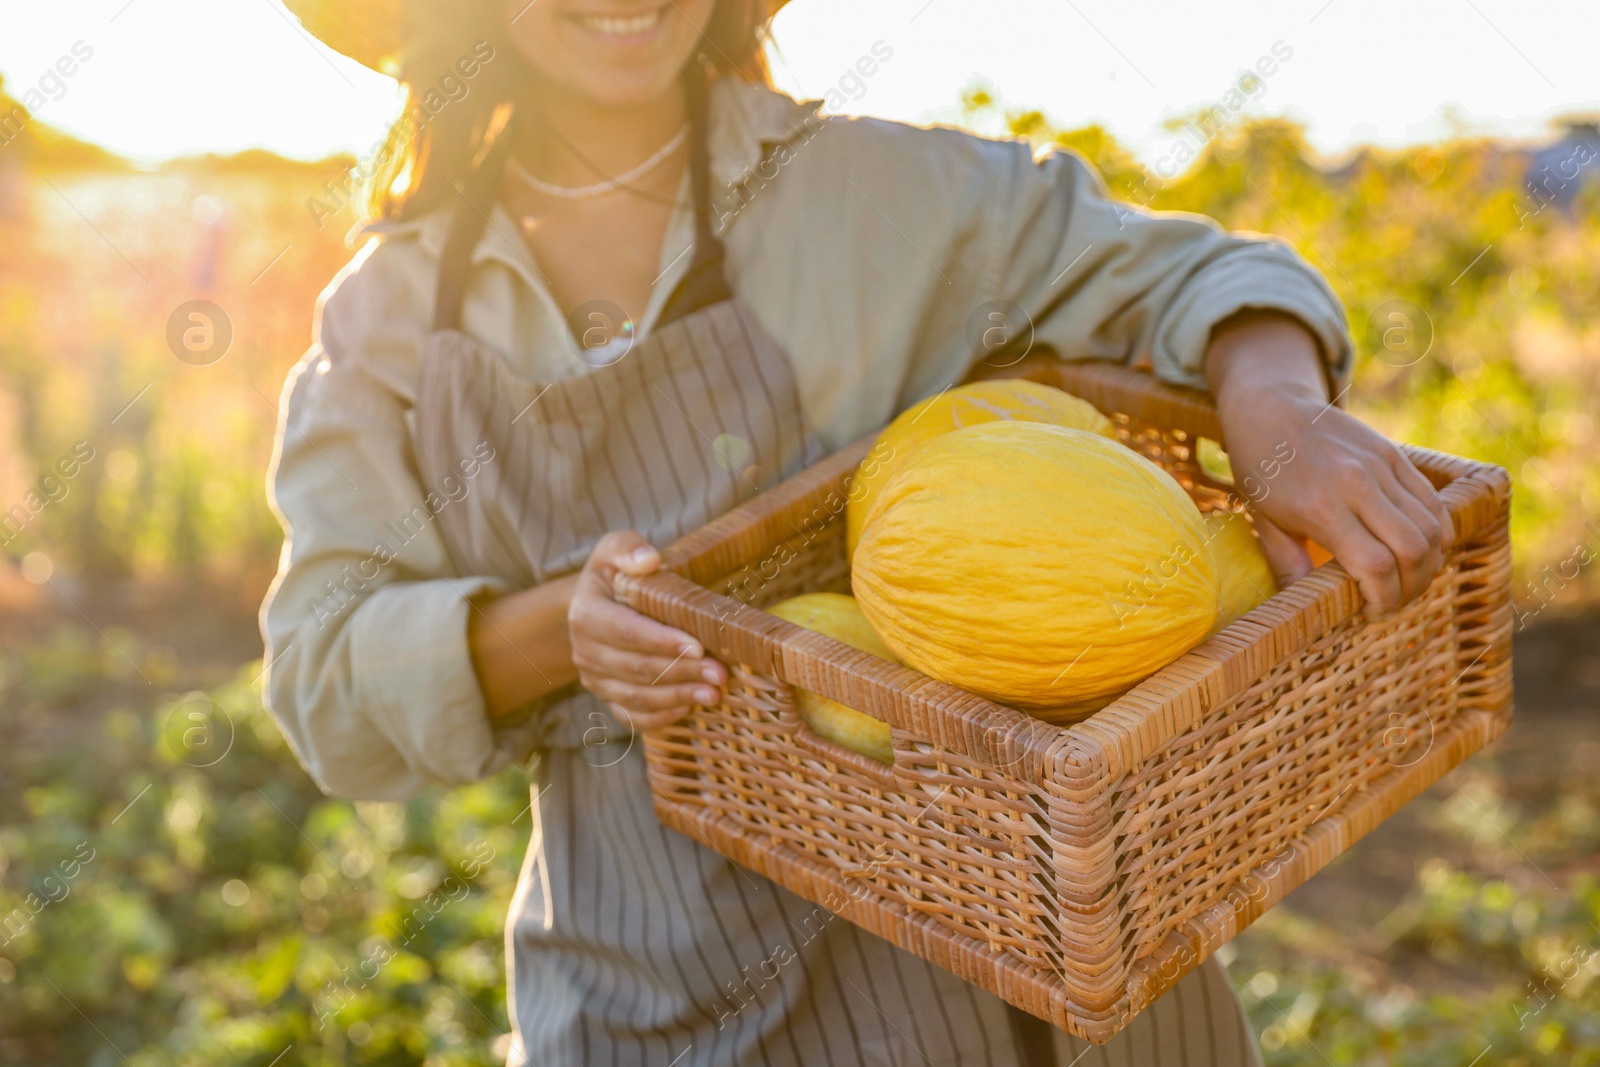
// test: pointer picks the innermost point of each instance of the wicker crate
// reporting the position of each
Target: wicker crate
(1076, 871)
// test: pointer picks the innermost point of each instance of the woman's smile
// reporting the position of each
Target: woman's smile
(611, 53)
(626, 29)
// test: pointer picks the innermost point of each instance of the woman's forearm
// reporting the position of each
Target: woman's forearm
(520, 647)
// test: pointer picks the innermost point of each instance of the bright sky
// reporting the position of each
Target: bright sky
(172, 77)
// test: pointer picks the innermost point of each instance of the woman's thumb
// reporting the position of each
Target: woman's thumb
(628, 552)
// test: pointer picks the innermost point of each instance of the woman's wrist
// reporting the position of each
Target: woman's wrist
(1259, 354)
(520, 647)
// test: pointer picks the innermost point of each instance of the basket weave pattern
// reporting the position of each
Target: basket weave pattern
(1075, 870)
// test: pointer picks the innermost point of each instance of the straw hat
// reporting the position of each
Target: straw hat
(368, 31)
(371, 32)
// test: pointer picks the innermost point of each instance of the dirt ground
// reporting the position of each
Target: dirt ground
(1552, 748)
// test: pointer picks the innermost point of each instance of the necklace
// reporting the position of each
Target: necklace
(583, 192)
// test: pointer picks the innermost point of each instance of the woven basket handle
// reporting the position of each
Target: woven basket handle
(764, 644)
(788, 644)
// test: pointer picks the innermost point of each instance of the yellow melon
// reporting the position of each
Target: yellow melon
(1244, 577)
(1002, 399)
(1038, 566)
(838, 616)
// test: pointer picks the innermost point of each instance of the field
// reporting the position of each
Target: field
(174, 890)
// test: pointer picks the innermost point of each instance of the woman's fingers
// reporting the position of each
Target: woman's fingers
(597, 618)
(614, 636)
(644, 707)
(620, 653)
(1416, 483)
(1408, 547)
(649, 698)
(1368, 560)
(624, 551)
(1286, 554)
(638, 721)
(640, 669)
(1418, 574)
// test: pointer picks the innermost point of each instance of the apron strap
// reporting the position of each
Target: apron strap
(705, 283)
(467, 221)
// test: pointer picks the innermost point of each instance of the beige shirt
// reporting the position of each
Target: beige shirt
(867, 249)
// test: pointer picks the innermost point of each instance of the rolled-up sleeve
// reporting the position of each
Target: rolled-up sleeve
(1093, 278)
(1104, 280)
(368, 671)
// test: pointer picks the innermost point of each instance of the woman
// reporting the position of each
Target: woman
(616, 286)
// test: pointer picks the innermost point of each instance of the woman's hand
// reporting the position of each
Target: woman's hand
(1310, 471)
(650, 674)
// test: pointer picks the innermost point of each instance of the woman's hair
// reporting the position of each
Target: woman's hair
(460, 75)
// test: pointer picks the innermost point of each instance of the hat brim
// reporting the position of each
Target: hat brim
(368, 31)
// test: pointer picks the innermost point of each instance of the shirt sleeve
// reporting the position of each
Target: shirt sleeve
(368, 671)
(1096, 279)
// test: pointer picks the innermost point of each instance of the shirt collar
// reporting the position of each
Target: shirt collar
(747, 120)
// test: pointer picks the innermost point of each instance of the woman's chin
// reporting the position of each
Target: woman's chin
(621, 89)
(610, 69)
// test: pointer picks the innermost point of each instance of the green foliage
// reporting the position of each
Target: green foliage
(172, 875)
(1508, 961)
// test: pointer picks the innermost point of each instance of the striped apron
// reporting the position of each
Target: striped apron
(629, 944)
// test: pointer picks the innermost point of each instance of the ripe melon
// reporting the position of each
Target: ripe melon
(1244, 577)
(838, 616)
(1039, 566)
(1001, 399)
